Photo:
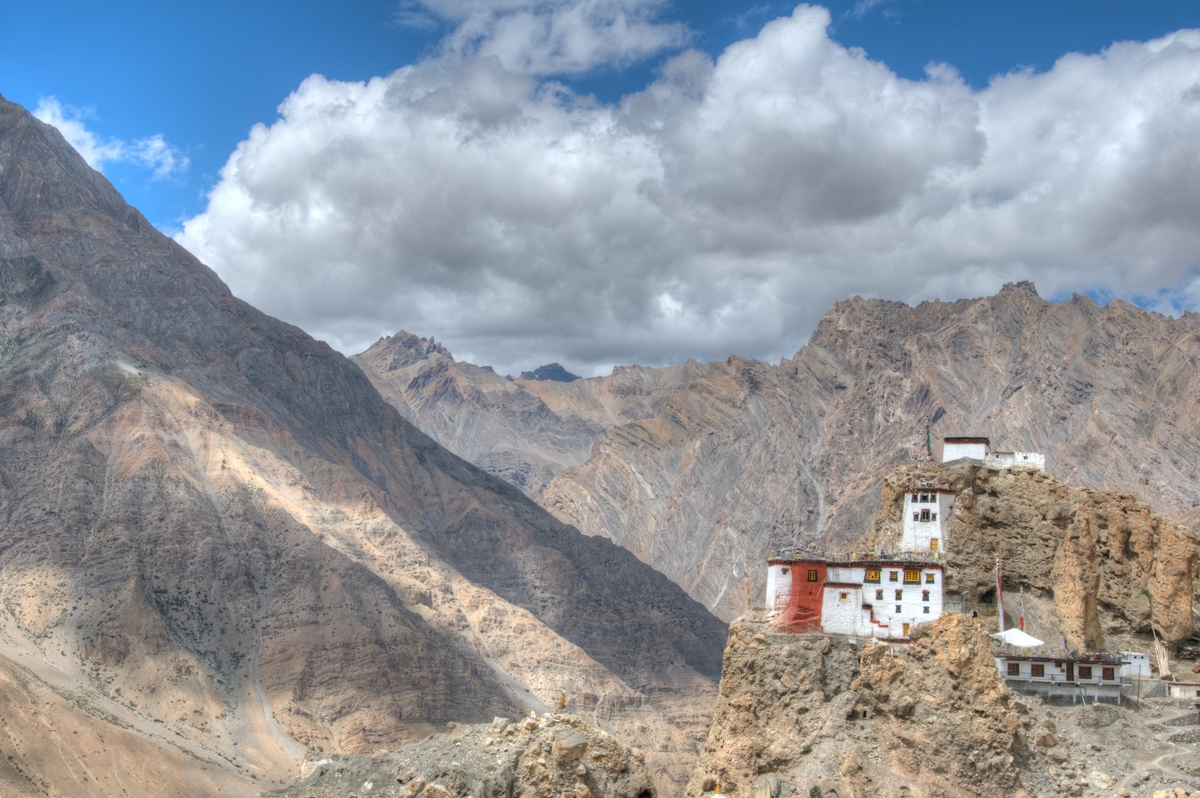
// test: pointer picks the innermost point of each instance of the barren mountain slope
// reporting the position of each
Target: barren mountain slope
(1099, 567)
(523, 431)
(214, 520)
(752, 456)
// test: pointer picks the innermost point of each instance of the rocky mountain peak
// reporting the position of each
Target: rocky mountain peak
(404, 349)
(552, 372)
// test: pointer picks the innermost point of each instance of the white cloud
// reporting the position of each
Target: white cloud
(151, 153)
(720, 210)
(555, 37)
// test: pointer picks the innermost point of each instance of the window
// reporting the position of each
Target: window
(897, 609)
(785, 571)
(1085, 671)
(916, 516)
(1107, 674)
(812, 574)
(912, 576)
(929, 577)
(925, 515)
(899, 595)
(933, 544)
(925, 610)
(915, 498)
(924, 595)
(879, 595)
(924, 498)
(1038, 669)
(843, 596)
(894, 576)
(872, 574)
(1014, 669)
(933, 516)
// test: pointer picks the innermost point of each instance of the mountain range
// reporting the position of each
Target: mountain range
(702, 469)
(221, 548)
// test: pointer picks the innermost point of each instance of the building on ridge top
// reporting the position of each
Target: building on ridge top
(877, 594)
(881, 594)
(980, 449)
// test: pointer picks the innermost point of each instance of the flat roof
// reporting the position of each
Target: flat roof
(967, 440)
(874, 563)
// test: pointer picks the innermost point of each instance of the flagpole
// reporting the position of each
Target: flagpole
(999, 595)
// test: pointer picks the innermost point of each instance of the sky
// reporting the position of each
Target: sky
(601, 182)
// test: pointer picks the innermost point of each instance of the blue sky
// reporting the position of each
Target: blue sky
(199, 77)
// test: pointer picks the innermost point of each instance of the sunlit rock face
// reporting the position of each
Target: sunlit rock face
(733, 459)
(215, 534)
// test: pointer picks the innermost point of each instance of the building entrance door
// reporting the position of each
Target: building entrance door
(906, 629)
(1070, 671)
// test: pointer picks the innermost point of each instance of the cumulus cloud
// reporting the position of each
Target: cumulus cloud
(720, 210)
(151, 153)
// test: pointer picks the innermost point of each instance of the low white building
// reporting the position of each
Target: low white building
(1137, 665)
(1030, 460)
(980, 449)
(1184, 691)
(960, 448)
(1063, 677)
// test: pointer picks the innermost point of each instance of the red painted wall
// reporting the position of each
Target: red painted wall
(803, 613)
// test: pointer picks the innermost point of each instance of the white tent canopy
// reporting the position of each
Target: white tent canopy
(1015, 637)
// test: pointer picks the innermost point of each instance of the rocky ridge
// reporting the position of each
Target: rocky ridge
(525, 430)
(554, 755)
(216, 536)
(735, 458)
(804, 713)
(1099, 567)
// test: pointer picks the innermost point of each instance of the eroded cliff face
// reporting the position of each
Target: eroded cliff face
(934, 718)
(214, 529)
(1109, 566)
(744, 456)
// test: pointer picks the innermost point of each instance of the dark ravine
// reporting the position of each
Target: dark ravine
(215, 530)
(727, 460)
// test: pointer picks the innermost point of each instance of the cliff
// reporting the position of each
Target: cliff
(1105, 566)
(861, 719)
(216, 536)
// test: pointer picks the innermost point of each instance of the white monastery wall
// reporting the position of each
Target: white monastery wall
(957, 451)
(853, 575)
(1138, 665)
(919, 534)
(779, 586)
(1031, 460)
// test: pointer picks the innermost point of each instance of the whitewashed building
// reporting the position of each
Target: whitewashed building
(1184, 691)
(980, 449)
(877, 594)
(1137, 665)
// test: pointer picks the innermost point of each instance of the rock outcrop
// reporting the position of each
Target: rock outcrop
(798, 712)
(213, 526)
(555, 756)
(1108, 566)
(742, 456)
